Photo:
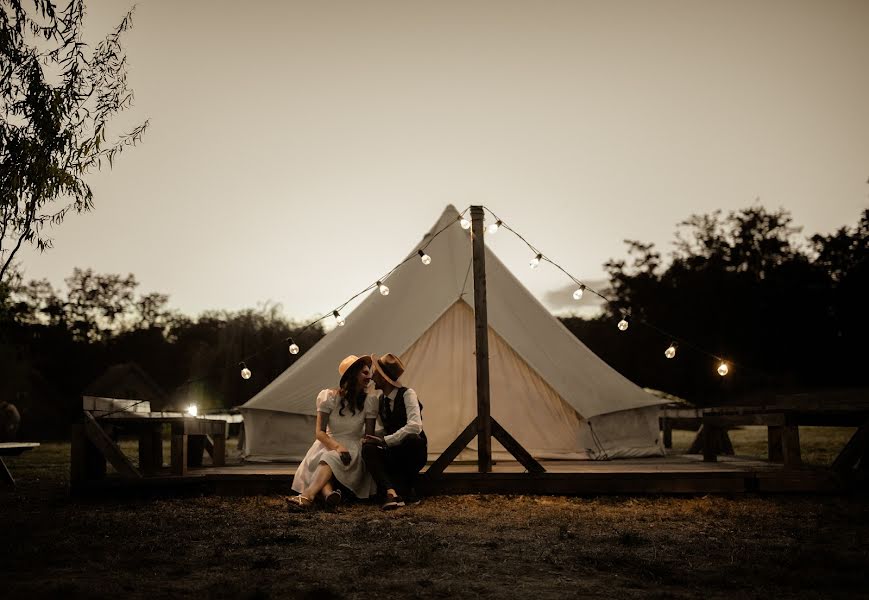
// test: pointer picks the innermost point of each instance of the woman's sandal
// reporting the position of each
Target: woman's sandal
(299, 503)
(333, 499)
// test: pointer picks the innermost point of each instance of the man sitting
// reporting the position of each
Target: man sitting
(395, 459)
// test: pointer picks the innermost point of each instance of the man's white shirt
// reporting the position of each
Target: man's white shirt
(414, 418)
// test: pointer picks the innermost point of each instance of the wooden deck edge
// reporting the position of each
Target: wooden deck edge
(659, 483)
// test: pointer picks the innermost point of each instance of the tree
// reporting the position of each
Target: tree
(99, 305)
(57, 103)
(745, 287)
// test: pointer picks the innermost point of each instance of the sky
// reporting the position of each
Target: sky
(297, 151)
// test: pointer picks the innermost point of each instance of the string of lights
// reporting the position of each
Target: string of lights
(340, 320)
(492, 228)
(724, 365)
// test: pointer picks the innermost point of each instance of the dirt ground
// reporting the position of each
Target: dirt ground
(464, 546)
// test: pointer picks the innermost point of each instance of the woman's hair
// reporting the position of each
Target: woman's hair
(349, 391)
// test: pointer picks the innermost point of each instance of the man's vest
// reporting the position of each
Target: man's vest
(397, 418)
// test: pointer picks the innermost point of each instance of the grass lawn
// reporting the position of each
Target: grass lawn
(466, 546)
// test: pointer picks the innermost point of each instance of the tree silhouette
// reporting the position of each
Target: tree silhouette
(57, 103)
(743, 287)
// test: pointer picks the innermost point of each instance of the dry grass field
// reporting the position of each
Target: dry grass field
(466, 546)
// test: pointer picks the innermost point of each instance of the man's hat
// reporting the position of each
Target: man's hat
(390, 368)
(350, 361)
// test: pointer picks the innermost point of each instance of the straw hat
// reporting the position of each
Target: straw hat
(350, 361)
(390, 368)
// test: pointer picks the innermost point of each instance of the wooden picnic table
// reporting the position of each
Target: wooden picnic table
(190, 436)
(676, 416)
(12, 449)
(783, 436)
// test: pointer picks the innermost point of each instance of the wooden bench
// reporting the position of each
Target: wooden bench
(93, 444)
(12, 449)
(783, 437)
(674, 416)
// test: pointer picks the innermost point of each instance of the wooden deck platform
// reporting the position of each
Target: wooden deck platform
(674, 474)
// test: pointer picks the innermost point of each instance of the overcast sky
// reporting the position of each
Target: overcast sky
(297, 151)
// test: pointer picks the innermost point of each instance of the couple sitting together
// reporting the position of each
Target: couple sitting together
(352, 449)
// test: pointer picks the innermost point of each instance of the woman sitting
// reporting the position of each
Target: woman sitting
(344, 415)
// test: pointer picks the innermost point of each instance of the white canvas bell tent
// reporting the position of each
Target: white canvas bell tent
(548, 390)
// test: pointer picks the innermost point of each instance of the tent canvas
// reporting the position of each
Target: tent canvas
(548, 390)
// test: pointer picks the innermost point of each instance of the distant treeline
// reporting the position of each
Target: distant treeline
(788, 311)
(53, 345)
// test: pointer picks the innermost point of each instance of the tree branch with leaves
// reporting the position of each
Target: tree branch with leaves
(56, 103)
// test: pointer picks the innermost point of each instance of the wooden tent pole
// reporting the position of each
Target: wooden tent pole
(484, 423)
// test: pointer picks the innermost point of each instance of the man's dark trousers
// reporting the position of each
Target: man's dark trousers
(396, 466)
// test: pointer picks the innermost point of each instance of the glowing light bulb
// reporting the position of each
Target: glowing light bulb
(465, 223)
(192, 410)
(671, 351)
(294, 348)
(535, 262)
(723, 369)
(578, 293)
(338, 318)
(425, 258)
(245, 372)
(494, 227)
(383, 289)
(623, 324)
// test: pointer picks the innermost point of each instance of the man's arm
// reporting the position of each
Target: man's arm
(414, 420)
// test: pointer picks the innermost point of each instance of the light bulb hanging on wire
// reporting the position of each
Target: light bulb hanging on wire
(494, 227)
(245, 372)
(671, 351)
(339, 320)
(535, 262)
(464, 223)
(384, 291)
(623, 324)
(294, 348)
(723, 369)
(577, 295)
(425, 258)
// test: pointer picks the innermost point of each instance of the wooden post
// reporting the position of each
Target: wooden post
(86, 462)
(790, 445)
(667, 428)
(484, 423)
(774, 443)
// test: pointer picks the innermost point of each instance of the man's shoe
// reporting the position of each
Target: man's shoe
(393, 502)
(333, 499)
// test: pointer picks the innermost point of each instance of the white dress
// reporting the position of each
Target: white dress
(347, 429)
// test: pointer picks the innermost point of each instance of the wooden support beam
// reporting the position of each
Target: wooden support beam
(86, 462)
(195, 449)
(99, 438)
(773, 443)
(218, 450)
(5, 476)
(667, 428)
(150, 450)
(453, 450)
(516, 449)
(179, 453)
(854, 451)
(484, 424)
(790, 446)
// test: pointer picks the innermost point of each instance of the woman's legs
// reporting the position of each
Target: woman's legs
(321, 479)
(327, 489)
